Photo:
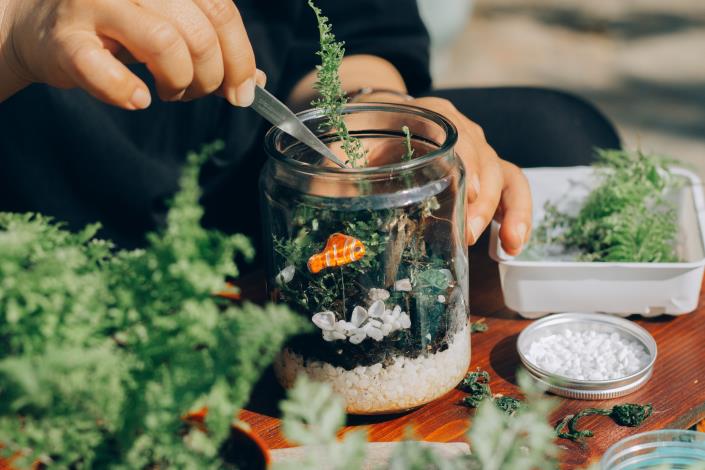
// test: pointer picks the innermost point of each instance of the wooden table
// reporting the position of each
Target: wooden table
(675, 390)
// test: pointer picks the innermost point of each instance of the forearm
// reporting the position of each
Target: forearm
(356, 72)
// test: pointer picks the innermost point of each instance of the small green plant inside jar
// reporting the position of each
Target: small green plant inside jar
(373, 255)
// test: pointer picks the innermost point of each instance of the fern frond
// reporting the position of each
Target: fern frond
(332, 98)
(625, 218)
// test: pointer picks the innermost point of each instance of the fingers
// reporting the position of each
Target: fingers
(92, 67)
(261, 78)
(515, 207)
(468, 155)
(191, 47)
(466, 147)
(152, 40)
(202, 42)
(495, 188)
(239, 78)
(481, 211)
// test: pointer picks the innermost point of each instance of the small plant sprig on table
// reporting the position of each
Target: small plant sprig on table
(479, 326)
(332, 97)
(625, 218)
(477, 385)
(628, 414)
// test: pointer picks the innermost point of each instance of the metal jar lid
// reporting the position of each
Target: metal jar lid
(587, 389)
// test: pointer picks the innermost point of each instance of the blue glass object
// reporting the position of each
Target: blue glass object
(671, 448)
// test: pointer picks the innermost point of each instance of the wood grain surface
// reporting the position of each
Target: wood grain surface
(675, 390)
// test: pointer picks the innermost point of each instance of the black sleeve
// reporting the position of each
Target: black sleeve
(391, 29)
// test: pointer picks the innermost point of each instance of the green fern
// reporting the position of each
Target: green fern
(312, 416)
(625, 218)
(332, 98)
(103, 352)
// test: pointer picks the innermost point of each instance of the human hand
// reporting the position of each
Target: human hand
(191, 47)
(496, 189)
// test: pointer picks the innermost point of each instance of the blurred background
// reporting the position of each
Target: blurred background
(642, 62)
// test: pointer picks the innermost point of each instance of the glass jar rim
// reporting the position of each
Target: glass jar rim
(635, 443)
(451, 137)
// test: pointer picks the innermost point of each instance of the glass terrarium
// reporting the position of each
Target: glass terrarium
(376, 257)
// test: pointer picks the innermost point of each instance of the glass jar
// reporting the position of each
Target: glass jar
(375, 256)
(669, 448)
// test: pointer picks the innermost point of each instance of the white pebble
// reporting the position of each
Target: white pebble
(324, 320)
(286, 275)
(402, 285)
(376, 294)
(588, 355)
(402, 384)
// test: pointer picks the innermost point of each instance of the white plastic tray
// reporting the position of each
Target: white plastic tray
(536, 288)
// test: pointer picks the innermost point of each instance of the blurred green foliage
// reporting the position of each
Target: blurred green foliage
(102, 352)
(521, 440)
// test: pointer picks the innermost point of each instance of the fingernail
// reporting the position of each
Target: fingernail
(140, 98)
(521, 232)
(475, 183)
(260, 78)
(476, 226)
(231, 96)
(246, 93)
(178, 96)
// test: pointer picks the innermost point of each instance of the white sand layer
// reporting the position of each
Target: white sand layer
(404, 384)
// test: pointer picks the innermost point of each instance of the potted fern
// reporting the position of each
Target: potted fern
(109, 356)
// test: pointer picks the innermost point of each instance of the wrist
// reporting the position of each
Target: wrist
(378, 95)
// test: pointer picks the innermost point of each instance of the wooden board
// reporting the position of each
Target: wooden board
(675, 390)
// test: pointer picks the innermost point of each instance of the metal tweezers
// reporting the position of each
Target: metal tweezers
(276, 112)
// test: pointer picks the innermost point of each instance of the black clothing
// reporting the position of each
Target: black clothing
(63, 153)
(533, 127)
(68, 155)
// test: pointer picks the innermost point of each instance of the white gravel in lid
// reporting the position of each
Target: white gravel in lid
(588, 355)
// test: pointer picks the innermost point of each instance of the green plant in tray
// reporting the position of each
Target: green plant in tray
(626, 217)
